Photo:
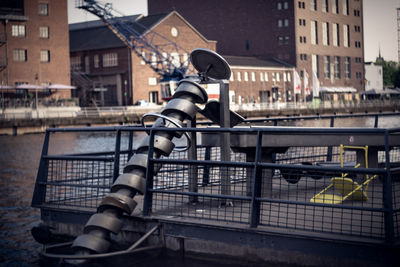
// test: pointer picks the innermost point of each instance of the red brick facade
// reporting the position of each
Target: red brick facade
(282, 29)
(144, 82)
(53, 44)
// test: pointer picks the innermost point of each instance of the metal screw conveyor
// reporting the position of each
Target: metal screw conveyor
(108, 219)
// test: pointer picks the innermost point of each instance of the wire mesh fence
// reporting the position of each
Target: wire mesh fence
(323, 189)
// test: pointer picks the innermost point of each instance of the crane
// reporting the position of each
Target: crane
(161, 54)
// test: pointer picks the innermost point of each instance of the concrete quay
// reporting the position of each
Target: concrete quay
(24, 120)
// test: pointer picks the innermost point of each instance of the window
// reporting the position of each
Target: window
(280, 40)
(286, 22)
(278, 77)
(303, 57)
(314, 64)
(44, 56)
(284, 77)
(325, 6)
(43, 9)
(261, 76)
(325, 33)
(253, 76)
(239, 76)
(175, 59)
(313, 5)
(153, 59)
(347, 68)
(337, 67)
(279, 23)
(289, 77)
(335, 6)
(18, 30)
(110, 60)
(96, 61)
(20, 55)
(286, 40)
(285, 5)
(246, 76)
(266, 76)
(232, 78)
(153, 96)
(345, 4)
(76, 63)
(327, 67)
(314, 32)
(279, 6)
(164, 58)
(44, 32)
(346, 36)
(357, 44)
(335, 34)
(152, 81)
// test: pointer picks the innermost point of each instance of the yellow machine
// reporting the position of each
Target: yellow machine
(343, 187)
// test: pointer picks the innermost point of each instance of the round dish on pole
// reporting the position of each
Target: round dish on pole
(210, 64)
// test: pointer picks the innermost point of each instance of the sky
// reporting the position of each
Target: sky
(380, 23)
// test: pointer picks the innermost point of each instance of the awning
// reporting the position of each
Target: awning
(338, 90)
(5, 87)
(29, 86)
(61, 86)
(395, 91)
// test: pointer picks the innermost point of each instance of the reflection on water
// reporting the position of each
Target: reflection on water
(19, 160)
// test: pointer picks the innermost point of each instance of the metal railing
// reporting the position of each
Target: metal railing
(269, 189)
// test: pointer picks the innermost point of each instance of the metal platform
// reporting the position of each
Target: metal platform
(264, 206)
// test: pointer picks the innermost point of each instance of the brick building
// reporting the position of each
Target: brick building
(115, 74)
(34, 44)
(255, 80)
(324, 36)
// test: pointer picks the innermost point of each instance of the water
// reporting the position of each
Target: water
(19, 160)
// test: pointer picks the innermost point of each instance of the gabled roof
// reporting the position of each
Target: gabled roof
(242, 61)
(95, 35)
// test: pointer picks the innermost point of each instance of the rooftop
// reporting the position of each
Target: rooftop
(255, 62)
(95, 34)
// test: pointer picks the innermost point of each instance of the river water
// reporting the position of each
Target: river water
(19, 161)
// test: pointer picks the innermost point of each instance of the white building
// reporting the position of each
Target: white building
(373, 77)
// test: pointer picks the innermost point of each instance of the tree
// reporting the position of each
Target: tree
(391, 72)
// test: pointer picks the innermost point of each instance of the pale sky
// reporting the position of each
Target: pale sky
(380, 23)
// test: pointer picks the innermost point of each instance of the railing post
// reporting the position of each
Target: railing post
(192, 155)
(206, 168)
(148, 195)
(117, 155)
(387, 195)
(329, 152)
(376, 121)
(39, 194)
(130, 145)
(256, 186)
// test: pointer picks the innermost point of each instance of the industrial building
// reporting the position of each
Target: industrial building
(109, 72)
(321, 36)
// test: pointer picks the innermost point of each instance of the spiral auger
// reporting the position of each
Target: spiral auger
(120, 200)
